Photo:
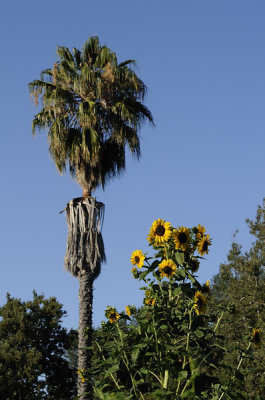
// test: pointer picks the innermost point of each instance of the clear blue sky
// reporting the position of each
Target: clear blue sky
(203, 62)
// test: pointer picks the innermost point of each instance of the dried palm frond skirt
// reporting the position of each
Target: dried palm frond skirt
(85, 247)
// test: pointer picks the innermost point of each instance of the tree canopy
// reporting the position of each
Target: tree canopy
(34, 351)
(240, 287)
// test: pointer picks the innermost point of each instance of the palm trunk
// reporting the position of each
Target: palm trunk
(85, 333)
(84, 254)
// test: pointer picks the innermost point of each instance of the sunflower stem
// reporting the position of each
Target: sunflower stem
(166, 376)
(160, 287)
(170, 290)
(159, 380)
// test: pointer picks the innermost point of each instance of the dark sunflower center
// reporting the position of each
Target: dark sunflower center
(205, 245)
(168, 270)
(112, 316)
(160, 230)
(137, 259)
(194, 265)
(256, 337)
(199, 302)
(182, 237)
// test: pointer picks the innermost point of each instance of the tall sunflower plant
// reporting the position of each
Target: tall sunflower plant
(167, 349)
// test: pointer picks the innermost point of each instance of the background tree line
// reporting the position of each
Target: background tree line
(240, 285)
(37, 354)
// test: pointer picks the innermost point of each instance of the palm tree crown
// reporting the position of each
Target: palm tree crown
(92, 108)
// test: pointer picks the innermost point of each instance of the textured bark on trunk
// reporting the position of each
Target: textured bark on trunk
(84, 254)
(85, 332)
(86, 193)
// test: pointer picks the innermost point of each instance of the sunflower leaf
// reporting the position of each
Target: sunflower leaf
(180, 273)
(143, 274)
(182, 375)
(192, 279)
(179, 257)
(144, 371)
(199, 333)
(111, 370)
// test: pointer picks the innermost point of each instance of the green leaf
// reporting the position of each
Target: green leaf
(177, 290)
(112, 369)
(135, 354)
(182, 375)
(199, 333)
(150, 353)
(179, 257)
(192, 279)
(188, 394)
(180, 273)
(154, 265)
(143, 274)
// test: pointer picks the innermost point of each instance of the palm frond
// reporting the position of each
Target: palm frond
(127, 62)
(92, 108)
(65, 55)
(77, 58)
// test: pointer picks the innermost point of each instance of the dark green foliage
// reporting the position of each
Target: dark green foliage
(153, 347)
(166, 349)
(239, 287)
(34, 351)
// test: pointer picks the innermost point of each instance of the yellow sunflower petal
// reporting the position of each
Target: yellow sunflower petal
(150, 301)
(167, 268)
(203, 245)
(160, 232)
(112, 314)
(256, 337)
(181, 238)
(200, 231)
(128, 311)
(137, 258)
(200, 302)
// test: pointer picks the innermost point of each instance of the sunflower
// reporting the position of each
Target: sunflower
(203, 245)
(167, 268)
(206, 287)
(194, 265)
(199, 302)
(200, 231)
(148, 293)
(128, 311)
(256, 337)
(150, 301)
(137, 258)
(160, 232)
(112, 314)
(134, 272)
(181, 238)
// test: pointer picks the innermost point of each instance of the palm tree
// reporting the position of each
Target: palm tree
(92, 108)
